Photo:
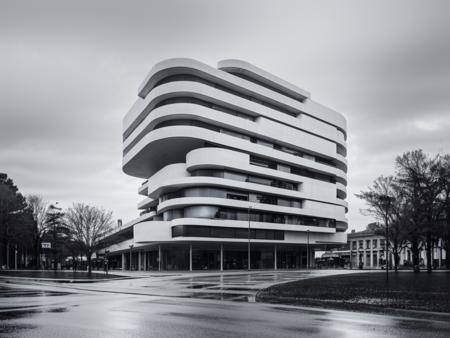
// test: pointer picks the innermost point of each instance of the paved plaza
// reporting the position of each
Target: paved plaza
(184, 304)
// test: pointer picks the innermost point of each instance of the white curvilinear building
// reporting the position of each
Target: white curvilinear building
(231, 158)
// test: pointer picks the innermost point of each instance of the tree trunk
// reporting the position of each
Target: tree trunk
(447, 254)
(395, 254)
(1, 254)
(88, 258)
(36, 257)
(396, 260)
(429, 248)
(7, 255)
(415, 254)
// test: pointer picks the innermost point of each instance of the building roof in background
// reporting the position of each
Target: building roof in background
(369, 231)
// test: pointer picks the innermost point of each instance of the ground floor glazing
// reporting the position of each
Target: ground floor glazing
(168, 257)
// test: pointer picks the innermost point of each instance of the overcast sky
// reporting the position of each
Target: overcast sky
(69, 71)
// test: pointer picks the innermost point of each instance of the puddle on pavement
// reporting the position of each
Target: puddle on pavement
(234, 297)
(7, 319)
(7, 292)
(58, 310)
(199, 286)
(16, 314)
(6, 328)
(34, 294)
(221, 288)
(302, 310)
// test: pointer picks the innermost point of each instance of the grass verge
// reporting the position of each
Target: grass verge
(367, 292)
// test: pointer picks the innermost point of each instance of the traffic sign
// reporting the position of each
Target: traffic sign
(46, 245)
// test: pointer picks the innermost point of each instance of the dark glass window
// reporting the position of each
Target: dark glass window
(268, 217)
(240, 197)
(225, 232)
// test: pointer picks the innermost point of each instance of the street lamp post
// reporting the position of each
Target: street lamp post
(307, 249)
(248, 234)
(386, 203)
(106, 261)
(55, 214)
(131, 257)
(386, 243)
(15, 258)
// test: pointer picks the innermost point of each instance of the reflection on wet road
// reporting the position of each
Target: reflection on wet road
(184, 305)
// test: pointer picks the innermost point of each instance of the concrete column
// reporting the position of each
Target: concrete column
(275, 257)
(190, 257)
(131, 259)
(371, 257)
(221, 257)
(159, 257)
(350, 260)
(139, 260)
(144, 254)
(123, 261)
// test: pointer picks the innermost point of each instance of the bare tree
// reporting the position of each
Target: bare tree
(419, 178)
(384, 203)
(39, 208)
(88, 225)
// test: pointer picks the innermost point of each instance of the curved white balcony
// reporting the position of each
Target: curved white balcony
(329, 211)
(175, 176)
(170, 144)
(171, 67)
(229, 159)
(147, 203)
(160, 231)
(144, 107)
(241, 67)
(263, 129)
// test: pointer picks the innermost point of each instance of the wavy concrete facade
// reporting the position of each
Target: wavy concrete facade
(226, 150)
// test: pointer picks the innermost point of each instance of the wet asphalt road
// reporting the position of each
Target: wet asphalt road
(179, 305)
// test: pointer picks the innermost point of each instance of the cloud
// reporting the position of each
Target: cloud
(70, 71)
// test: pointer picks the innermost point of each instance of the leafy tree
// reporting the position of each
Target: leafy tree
(88, 225)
